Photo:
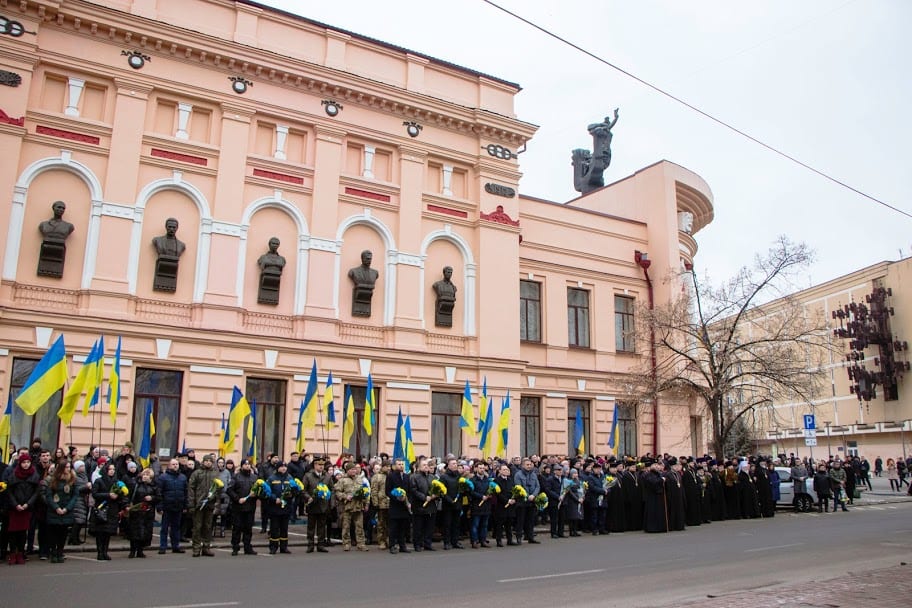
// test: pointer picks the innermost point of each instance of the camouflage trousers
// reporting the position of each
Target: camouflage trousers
(381, 532)
(347, 518)
(202, 529)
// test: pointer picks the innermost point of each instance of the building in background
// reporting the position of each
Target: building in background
(245, 124)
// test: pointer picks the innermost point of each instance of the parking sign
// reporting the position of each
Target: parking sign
(809, 422)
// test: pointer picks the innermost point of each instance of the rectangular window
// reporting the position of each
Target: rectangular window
(578, 317)
(530, 311)
(627, 429)
(161, 388)
(268, 396)
(623, 324)
(362, 445)
(44, 424)
(529, 425)
(446, 436)
(572, 405)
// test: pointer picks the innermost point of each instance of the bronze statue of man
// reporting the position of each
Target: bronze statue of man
(54, 233)
(271, 265)
(169, 250)
(364, 278)
(446, 299)
(589, 167)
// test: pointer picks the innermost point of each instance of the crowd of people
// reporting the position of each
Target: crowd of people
(49, 501)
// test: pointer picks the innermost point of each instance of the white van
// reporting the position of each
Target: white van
(802, 501)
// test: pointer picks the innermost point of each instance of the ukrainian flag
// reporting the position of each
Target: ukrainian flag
(114, 384)
(613, 437)
(482, 406)
(96, 374)
(399, 443)
(503, 427)
(145, 444)
(579, 432)
(486, 443)
(370, 405)
(467, 416)
(47, 378)
(252, 434)
(409, 444)
(238, 411)
(328, 403)
(348, 418)
(77, 387)
(309, 405)
(6, 424)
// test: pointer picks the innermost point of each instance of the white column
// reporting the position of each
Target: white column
(75, 92)
(368, 172)
(183, 117)
(14, 234)
(241, 266)
(202, 260)
(281, 137)
(300, 298)
(91, 252)
(447, 180)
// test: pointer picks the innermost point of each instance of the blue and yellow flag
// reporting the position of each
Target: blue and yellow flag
(487, 444)
(96, 375)
(370, 406)
(482, 406)
(409, 444)
(114, 384)
(329, 404)
(309, 406)
(467, 416)
(47, 378)
(348, 418)
(6, 421)
(503, 426)
(237, 412)
(613, 437)
(579, 432)
(77, 387)
(399, 443)
(252, 434)
(145, 443)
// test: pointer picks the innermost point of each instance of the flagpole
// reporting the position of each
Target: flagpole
(113, 435)
(322, 427)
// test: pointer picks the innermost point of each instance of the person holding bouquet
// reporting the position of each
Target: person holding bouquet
(480, 503)
(109, 494)
(400, 509)
(280, 505)
(526, 512)
(60, 497)
(243, 495)
(424, 506)
(349, 493)
(203, 495)
(504, 506)
(379, 502)
(141, 516)
(571, 501)
(450, 505)
(21, 496)
(551, 486)
(317, 482)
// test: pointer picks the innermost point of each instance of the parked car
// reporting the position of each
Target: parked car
(802, 501)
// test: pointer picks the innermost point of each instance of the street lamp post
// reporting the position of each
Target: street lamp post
(829, 449)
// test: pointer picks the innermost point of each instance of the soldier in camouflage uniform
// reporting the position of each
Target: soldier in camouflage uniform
(202, 505)
(380, 502)
(352, 506)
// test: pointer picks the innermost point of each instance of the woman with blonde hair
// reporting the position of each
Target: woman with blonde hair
(142, 512)
(60, 497)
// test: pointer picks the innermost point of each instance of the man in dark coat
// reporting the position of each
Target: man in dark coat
(551, 486)
(764, 490)
(450, 506)
(172, 486)
(655, 514)
(594, 501)
(423, 509)
(400, 510)
(317, 507)
(633, 497)
(674, 493)
(693, 495)
(243, 506)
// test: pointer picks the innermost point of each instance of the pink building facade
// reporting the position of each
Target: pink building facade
(245, 123)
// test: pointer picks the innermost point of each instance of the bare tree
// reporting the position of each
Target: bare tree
(738, 347)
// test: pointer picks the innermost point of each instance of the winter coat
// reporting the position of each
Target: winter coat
(450, 501)
(141, 519)
(823, 485)
(81, 509)
(529, 481)
(172, 486)
(240, 487)
(379, 498)
(502, 508)
(318, 506)
(345, 487)
(774, 485)
(481, 505)
(398, 509)
(198, 487)
(419, 490)
(110, 507)
(64, 497)
(279, 491)
(22, 492)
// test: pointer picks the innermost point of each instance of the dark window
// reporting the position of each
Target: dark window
(530, 311)
(529, 425)
(446, 436)
(627, 429)
(571, 425)
(578, 317)
(44, 424)
(362, 445)
(623, 324)
(162, 388)
(269, 397)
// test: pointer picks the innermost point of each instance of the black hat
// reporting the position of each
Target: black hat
(280, 464)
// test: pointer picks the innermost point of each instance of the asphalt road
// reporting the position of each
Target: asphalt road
(633, 569)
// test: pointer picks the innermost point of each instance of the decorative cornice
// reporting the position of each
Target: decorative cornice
(500, 217)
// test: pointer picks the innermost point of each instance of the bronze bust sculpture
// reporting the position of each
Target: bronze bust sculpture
(169, 250)
(365, 278)
(54, 232)
(446, 299)
(271, 265)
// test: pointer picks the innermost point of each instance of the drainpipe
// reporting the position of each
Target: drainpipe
(643, 261)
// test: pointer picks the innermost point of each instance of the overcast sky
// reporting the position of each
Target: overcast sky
(825, 81)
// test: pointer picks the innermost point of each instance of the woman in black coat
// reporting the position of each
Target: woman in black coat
(142, 513)
(108, 503)
(21, 498)
(504, 507)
